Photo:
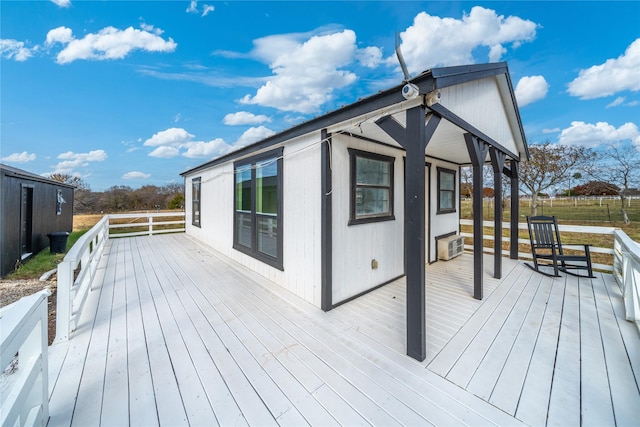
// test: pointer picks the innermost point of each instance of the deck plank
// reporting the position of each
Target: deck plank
(533, 402)
(596, 405)
(564, 401)
(168, 401)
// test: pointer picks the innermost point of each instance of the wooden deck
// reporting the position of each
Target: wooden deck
(173, 333)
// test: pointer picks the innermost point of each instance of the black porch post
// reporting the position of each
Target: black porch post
(515, 209)
(326, 298)
(478, 153)
(497, 161)
(414, 139)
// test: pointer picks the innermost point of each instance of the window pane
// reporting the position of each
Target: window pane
(446, 200)
(243, 223)
(243, 188)
(447, 181)
(373, 172)
(268, 235)
(267, 187)
(372, 201)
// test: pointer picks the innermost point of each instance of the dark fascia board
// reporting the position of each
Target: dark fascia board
(19, 173)
(427, 82)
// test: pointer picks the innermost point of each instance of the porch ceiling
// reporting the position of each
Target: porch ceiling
(447, 143)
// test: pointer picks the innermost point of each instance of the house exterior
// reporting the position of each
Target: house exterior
(356, 198)
(32, 206)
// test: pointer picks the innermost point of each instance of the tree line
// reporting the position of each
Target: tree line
(122, 198)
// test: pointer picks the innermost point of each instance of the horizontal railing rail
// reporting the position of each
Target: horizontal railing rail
(608, 231)
(626, 268)
(155, 223)
(23, 362)
(79, 266)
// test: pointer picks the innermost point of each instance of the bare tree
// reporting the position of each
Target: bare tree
(548, 166)
(617, 167)
(76, 181)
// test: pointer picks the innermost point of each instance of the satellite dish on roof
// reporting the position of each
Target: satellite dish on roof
(409, 90)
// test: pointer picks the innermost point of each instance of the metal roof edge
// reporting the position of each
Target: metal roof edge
(13, 171)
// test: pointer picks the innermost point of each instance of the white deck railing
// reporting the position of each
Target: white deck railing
(79, 266)
(75, 273)
(23, 359)
(608, 231)
(626, 267)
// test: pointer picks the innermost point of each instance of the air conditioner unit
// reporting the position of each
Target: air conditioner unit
(450, 247)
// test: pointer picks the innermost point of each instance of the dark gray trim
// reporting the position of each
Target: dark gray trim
(439, 210)
(451, 76)
(477, 152)
(497, 162)
(463, 124)
(253, 251)
(326, 224)
(367, 291)
(10, 171)
(193, 218)
(515, 209)
(353, 154)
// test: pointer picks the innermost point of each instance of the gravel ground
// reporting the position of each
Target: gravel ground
(12, 290)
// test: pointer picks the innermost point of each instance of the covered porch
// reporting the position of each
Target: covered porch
(174, 333)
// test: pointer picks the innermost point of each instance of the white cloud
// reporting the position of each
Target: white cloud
(554, 130)
(165, 152)
(244, 118)
(174, 142)
(14, 49)
(108, 43)
(206, 9)
(369, 57)
(135, 175)
(618, 101)
(172, 137)
(615, 75)
(434, 41)
(23, 157)
(592, 135)
(531, 89)
(193, 7)
(306, 70)
(213, 148)
(71, 161)
(252, 135)
(62, 3)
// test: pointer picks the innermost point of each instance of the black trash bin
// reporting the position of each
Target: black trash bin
(58, 242)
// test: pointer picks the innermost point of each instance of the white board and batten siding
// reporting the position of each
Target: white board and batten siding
(300, 217)
(354, 247)
(440, 224)
(470, 100)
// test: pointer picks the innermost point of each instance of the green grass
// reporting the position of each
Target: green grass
(43, 261)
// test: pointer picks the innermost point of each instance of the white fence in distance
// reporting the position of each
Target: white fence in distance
(23, 361)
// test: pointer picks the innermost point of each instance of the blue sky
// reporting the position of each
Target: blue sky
(135, 92)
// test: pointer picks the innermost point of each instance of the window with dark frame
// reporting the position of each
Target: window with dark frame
(371, 187)
(258, 207)
(195, 201)
(446, 191)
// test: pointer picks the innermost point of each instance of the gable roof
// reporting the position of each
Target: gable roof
(427, 82)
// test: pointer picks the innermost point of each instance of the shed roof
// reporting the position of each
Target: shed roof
(392, 102)
(20, 173)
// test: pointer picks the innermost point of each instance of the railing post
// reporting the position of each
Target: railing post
(63, 300)
(150, 226)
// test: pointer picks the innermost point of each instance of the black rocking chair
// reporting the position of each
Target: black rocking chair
(546, 245)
